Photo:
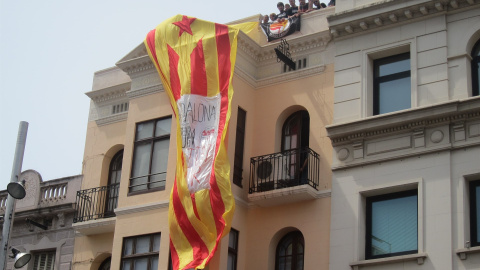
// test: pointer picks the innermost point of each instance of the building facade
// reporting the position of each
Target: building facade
(278, 148)
(51, 204)
(406, 135)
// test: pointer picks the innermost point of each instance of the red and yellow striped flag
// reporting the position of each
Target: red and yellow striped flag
(195, 60)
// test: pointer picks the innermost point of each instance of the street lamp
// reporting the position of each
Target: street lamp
(21, 259)
(15, 191)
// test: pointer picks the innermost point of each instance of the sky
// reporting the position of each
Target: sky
(49, 51)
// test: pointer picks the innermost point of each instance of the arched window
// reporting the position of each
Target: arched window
(295, 131)
(476, 68)
(295, 136)
(114, 175)
(290, 252)
(105, 264)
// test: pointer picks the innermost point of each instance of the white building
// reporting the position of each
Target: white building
(406, 135)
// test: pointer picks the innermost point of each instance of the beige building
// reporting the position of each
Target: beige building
(406, 135)
(278, 148)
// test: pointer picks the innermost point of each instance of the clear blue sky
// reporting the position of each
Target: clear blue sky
(49, 51)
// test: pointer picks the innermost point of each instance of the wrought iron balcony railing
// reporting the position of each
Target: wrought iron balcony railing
(284, 169)
(96, 203)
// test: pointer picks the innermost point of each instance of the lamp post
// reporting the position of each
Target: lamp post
(15, 191)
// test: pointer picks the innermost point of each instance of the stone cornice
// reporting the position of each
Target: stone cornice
(109, 93)
(145, 91)
(289, 76)
(141, 208)
(389, 13)
(112, 119)
(387, 124)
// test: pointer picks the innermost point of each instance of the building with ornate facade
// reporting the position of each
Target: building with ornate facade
(278, 148)
(406, 135)
(42, 224)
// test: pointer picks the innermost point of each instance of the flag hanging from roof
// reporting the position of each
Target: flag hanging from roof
(195, 60)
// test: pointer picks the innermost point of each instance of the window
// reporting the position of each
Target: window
(239, 147)
(44, 260)
(232, 249)
(474, 213)
(392, 224)
(141, 252)
(114, 176)
(295, 131)
(476, 69)
(290, 252)
(105, 264)
(150, 156)
(392, 84)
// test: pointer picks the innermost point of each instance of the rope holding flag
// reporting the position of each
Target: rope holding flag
(195, 60)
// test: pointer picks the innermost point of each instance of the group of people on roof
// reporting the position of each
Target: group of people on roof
(292, 10)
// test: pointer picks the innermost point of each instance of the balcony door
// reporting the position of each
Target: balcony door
(115, 173)
(295, 137)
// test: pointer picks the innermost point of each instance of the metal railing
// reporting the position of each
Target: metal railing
(289, 168)
(96, 203)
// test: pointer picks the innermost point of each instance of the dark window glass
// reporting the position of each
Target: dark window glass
(392, 224)
(239, 147)
(150, 156)
(475, 213)
(290, 252)
(476, 69)
(232, 249)
(141, 252)
(392, 84)
(114, 176)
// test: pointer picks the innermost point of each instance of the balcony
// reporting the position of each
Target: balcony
(95, 209)
(287, 176)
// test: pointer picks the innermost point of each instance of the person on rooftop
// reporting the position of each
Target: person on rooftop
(265, 19)
(273, 17)
(293, 10)
(317, 4)
(283, 14)
(287, 7)
(332, 3)
(303, 7)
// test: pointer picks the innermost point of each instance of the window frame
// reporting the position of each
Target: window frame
(368, 221)
(150, 254)
(368, 56)
(148, 141)
(233, 251)
(296, 237)
(377, 79)
(474, 219)
(475, 62)
(239, 147)
(51, 252)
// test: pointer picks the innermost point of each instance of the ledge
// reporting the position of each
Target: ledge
(419, 257)
(287, 195)
(463, 252)
(141, 208)
(98, 226)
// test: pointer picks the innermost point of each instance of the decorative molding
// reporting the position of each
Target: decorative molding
(387, 13)
(145, 91)
(114, 118)
(109, 93)
(290, 76)
(287, 195)
(413, 119)
(141, 208)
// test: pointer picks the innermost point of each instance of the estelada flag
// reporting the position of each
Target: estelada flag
(195, 60)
